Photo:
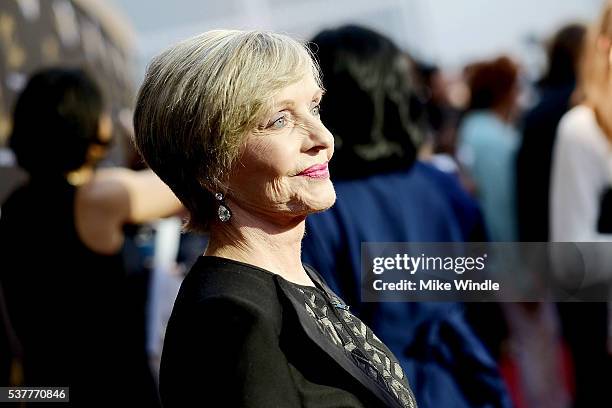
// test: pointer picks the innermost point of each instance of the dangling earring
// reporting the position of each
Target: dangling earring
(223, 211)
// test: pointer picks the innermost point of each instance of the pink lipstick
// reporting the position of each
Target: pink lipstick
(318, 171)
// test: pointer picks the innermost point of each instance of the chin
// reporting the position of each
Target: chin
(323, 200)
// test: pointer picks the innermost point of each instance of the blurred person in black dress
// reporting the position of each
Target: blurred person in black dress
(61, 239)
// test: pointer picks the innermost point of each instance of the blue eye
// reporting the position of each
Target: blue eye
(279, 123)
(316, 111)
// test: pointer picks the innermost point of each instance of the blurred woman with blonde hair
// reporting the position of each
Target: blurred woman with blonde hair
(580, 191)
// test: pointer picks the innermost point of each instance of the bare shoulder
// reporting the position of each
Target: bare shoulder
(107, 192)
(101, 208)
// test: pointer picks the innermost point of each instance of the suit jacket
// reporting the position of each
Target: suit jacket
(240, 336)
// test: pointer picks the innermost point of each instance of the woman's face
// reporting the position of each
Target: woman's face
(282, 172)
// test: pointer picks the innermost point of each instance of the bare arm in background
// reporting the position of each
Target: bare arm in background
(117, 196)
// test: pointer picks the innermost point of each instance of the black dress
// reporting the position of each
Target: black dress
(241, 336)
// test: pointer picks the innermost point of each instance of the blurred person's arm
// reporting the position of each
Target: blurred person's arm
(138, 196)
(118, 196)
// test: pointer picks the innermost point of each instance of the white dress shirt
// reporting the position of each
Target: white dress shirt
(582, 171)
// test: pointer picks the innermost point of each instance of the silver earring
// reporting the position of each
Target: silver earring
(223, 211)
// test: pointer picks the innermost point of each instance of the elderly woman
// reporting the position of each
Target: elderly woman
(230, 121)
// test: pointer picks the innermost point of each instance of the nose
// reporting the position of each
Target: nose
(320, 138)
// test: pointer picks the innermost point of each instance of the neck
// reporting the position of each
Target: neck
(603, 121)
(262, 243)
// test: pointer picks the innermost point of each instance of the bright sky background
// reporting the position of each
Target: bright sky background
(448, 32)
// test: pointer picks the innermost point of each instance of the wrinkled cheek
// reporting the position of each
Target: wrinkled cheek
(278, 191)
(269, 154)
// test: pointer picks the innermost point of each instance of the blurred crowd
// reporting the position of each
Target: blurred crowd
(92, 254)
